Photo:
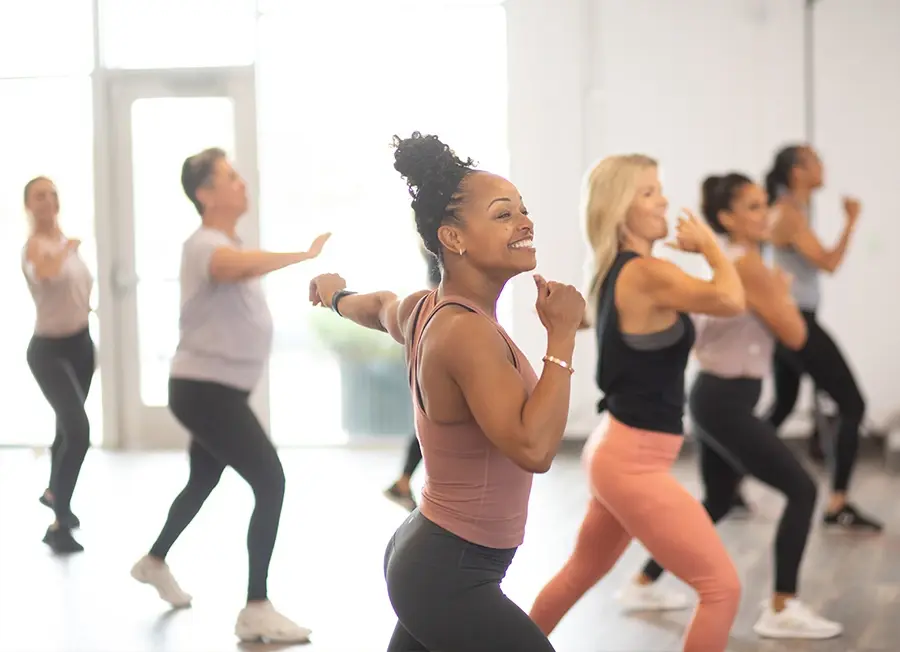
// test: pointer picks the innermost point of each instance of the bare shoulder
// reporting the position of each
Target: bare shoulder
(407, 307)
(648, 272)
(460, 336)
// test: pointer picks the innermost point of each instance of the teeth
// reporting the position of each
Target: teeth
(522, 244)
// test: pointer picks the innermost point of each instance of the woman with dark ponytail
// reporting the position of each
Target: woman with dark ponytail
(795, 175)
(735, 354)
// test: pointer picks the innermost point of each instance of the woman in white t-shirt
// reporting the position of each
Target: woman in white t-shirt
(61, 352)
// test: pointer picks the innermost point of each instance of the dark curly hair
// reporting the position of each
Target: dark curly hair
(433, 174)
(718, 194)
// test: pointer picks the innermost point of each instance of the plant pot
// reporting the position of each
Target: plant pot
(375, 397)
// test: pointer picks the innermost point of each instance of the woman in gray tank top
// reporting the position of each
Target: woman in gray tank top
(796, 174)
(224, 342)
(61, 352)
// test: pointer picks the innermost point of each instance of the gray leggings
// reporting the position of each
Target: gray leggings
(446, 594)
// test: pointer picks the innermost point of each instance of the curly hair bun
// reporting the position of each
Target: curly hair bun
(423, 160)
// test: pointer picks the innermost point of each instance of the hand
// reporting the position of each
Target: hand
(691, 235)
(560, 306)
(316, 247)
(323, 287)
(852, 208)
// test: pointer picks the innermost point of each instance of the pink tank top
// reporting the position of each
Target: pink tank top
(471, 488)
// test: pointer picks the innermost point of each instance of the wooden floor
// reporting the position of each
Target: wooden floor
(327, 574)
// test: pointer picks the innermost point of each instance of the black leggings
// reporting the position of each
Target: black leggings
(64, 368)
(413, 456)
(446, 594)
(734, 443)
(225, 432)
(823, 361)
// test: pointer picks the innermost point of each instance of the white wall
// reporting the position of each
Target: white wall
(705, 86)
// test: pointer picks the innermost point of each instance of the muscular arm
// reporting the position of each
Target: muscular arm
(527, 429)
(770, 299)
(667, 286)
(792, 229)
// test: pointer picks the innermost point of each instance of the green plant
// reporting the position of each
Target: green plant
(351, 341)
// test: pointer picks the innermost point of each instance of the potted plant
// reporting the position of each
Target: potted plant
(375, 397)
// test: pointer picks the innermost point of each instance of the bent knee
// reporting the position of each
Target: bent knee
(804, 491)
(723, 586)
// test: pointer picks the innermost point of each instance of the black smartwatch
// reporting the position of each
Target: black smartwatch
(336, 297)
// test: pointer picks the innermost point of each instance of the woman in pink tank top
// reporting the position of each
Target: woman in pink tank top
(485, 422)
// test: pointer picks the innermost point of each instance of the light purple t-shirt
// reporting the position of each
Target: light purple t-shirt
(733, 347)
(62, 303)
(225, 328)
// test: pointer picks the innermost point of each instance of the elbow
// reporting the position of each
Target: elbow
(535, 459)
(795, 339)
(732, 304)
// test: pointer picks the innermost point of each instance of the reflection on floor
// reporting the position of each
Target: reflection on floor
(327, 567)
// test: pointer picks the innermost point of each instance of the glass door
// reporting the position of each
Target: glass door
(157, 119)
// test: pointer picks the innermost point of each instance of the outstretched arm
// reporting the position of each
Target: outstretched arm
(229, 264)
(381, 311)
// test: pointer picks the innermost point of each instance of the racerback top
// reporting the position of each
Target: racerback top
(641, 376)
(471, 488)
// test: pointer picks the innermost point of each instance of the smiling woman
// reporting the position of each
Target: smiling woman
(485, 421)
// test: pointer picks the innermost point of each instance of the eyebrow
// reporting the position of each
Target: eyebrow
(494, 201)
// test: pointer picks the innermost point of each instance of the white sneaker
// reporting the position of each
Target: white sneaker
(156, 573)
(649, 597)
(259, 621)
(796, 620)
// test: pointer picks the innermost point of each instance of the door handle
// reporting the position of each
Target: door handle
(124, 282)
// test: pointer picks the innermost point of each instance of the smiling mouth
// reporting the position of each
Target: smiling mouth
(523, 244)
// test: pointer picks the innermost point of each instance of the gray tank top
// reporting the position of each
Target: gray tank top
(733, 347)
(805, 285)
(62, 303)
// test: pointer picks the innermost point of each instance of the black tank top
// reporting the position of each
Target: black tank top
(641, 376)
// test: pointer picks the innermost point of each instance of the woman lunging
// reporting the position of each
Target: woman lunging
(795, 176)
(735, 354)
(486, 423)
(644, 338)
(61, 353)
(224, 344)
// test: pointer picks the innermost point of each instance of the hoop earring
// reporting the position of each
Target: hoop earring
(462, 251)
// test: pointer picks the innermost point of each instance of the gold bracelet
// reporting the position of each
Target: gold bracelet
(562, 363)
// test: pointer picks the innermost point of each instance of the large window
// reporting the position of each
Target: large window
(46, 130)
(327, 113)
(46, 37)
(141, 34)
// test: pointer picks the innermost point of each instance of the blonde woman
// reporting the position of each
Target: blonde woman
(644, 336)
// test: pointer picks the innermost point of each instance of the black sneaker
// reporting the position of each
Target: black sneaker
(71, 521)
(61, 541)
(403, 499)
(852, 520)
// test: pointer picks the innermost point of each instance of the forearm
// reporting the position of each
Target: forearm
(257, 263)
(836, 256)
(367, 309)
(546, 411)
(725, 278)
(49, 267)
